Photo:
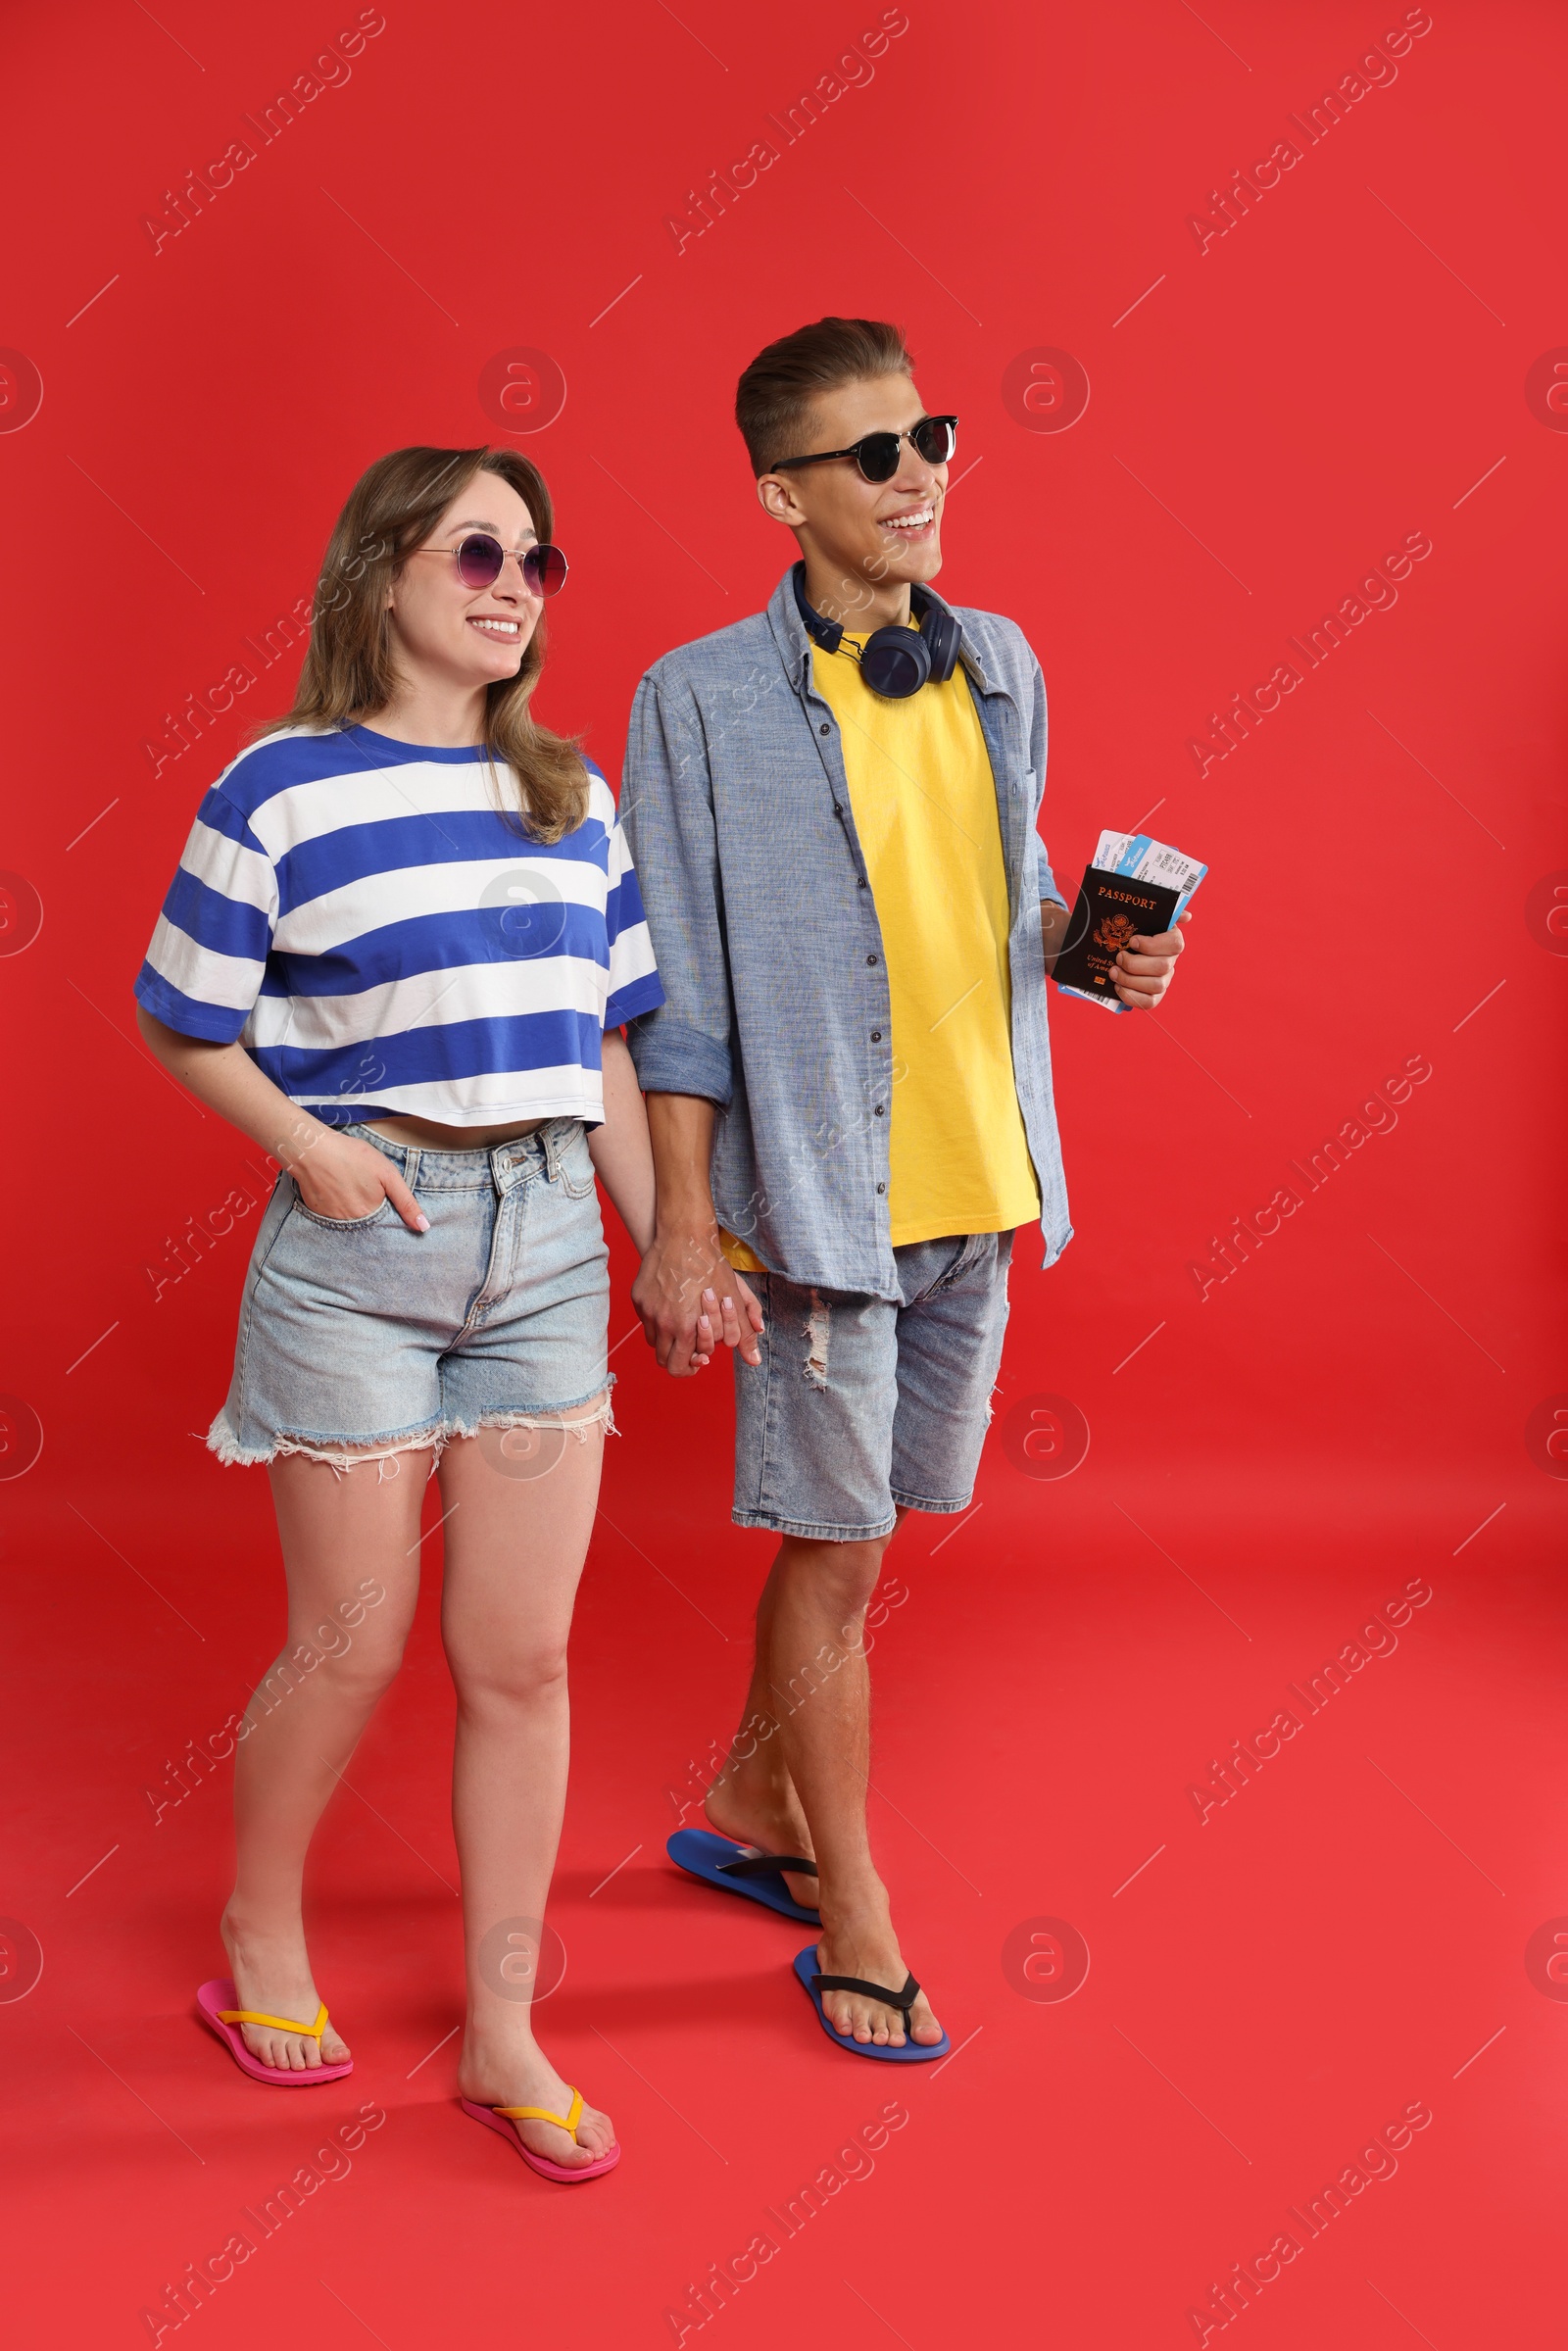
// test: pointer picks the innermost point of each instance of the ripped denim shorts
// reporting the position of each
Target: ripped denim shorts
(358, 1337)
(860, 1409)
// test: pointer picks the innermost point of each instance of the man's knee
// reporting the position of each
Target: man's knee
(844, 1574)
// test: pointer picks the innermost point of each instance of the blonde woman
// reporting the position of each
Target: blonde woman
(397, 955)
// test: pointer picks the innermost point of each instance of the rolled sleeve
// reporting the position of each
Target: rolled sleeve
(671, 1057)
(666, 807)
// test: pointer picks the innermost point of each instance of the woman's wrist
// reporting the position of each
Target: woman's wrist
(300, 1138)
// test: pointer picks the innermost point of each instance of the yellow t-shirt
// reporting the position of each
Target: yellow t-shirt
(925, 809)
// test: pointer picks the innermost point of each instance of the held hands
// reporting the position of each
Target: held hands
(692, 1301)
(1146, 967)
(342, 1178)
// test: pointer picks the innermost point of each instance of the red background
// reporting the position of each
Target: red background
(1267, 418)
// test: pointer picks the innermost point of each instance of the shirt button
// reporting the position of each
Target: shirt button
(879, 1109)
(864, 883)
(870, 959)
(837, 810)
(881, 1187)
(876, 1035)
(825, 730)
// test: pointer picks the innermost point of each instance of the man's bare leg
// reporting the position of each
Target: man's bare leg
(754, 1798)
(808, 1771)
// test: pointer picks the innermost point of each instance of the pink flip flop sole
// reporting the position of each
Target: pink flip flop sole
(542, 2163)
(220, 1994)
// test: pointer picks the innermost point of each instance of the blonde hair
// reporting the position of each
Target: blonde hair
(350, 673)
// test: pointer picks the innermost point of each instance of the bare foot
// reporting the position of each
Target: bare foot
(769, 1818)
(865, 1946)
(515, 2072)
(273, 1975)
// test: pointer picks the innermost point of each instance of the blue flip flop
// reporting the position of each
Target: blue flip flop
(814, 1986)
(721, 1861)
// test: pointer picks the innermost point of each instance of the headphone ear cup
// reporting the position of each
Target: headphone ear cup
(942, 637)
(896, 661)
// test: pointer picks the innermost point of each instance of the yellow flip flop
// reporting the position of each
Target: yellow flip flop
(225, 2021)
(503, 2119)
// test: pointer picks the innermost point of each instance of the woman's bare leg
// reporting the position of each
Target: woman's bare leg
(521, 1517)
(348, 1536)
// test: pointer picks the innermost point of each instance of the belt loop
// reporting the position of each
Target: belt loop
(410, 1166)
(550, 1138)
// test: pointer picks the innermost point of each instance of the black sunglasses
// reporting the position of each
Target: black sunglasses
(481, 560)
(877, 454)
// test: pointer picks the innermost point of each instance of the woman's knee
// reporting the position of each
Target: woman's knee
(501, 1676)
(365, 1660)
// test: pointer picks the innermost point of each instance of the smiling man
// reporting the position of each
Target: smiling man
(833, 809)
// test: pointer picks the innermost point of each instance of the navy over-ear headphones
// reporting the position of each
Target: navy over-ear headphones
(895, 662)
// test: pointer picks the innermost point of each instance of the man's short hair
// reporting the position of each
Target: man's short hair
(774, 400)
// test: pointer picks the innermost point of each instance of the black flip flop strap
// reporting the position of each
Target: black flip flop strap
(763, 1865)
(904, 2000)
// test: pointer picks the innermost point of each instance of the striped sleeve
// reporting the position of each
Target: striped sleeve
(634, 983)
(205, 965)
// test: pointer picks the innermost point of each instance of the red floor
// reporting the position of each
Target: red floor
(1341, 1945)
(1372, 350)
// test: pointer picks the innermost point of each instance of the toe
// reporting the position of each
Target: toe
(557, 2146)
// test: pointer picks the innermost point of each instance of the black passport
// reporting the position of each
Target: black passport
(1112, 909)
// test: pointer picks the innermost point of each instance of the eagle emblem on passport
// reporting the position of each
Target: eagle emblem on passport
(1113, 931)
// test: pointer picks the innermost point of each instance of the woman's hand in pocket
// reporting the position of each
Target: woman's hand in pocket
(344, 1180)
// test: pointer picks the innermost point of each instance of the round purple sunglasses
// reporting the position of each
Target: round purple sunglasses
(481, 560)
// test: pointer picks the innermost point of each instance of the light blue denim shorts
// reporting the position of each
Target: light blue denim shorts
(860, 1407)
(358, 1334)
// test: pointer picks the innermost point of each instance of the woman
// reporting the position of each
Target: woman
(396, 954)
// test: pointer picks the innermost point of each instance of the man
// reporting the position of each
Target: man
(849, 1086)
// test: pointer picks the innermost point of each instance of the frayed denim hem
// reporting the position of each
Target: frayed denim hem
(342, 1455)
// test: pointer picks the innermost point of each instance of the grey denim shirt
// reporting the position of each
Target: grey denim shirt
(768, 945)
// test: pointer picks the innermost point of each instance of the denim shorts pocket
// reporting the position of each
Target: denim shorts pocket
(346, 1224)
(575, 1167)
